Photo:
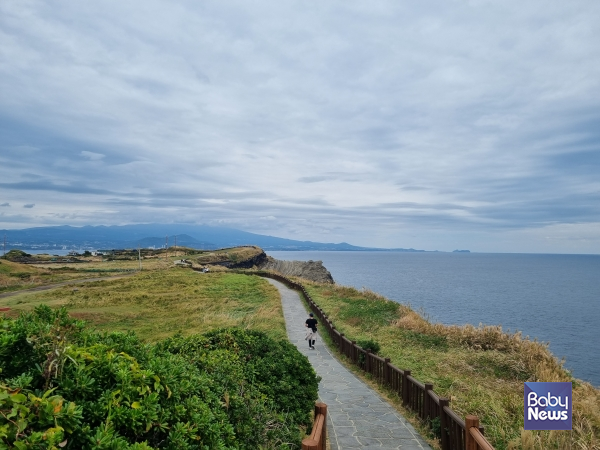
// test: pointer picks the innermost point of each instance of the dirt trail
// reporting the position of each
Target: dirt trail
(64, 283)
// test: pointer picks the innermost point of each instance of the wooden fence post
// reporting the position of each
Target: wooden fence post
(387, 372)
(354, 355)
(427, 401)
(470, 422)
(368, 360)
(342, 343)
(444, 424)
(405, 389)
(321, 408)
(310, 444)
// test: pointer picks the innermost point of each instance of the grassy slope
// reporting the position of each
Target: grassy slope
(227, 255)
(15, 276)
(159, 303)
(482, 371)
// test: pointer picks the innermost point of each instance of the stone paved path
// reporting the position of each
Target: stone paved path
(358, 417)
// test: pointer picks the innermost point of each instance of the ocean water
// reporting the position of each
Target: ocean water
(555, 298)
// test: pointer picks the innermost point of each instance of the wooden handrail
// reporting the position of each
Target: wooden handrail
(456, 434)
(474, 440)
(318, 437)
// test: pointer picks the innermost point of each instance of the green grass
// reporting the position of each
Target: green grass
(16, 277)
(481, 370)
(157, 304)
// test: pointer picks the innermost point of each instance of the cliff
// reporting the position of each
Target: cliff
(309, 270)
(254, 257)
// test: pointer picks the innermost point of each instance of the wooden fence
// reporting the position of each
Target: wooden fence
(454, 432)
(318, 437)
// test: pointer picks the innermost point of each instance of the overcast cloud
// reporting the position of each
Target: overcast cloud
(435, 125)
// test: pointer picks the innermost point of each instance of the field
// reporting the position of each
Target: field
(15, 277)
(159, 303)
(482, 370)
(45, 269)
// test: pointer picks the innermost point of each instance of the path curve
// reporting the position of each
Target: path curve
(358, 417)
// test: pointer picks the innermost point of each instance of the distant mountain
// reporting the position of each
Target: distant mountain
(149, 235)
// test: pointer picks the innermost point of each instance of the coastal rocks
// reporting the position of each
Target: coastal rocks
(256, 258)
(309, 270)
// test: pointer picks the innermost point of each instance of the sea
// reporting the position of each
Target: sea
(554, 298)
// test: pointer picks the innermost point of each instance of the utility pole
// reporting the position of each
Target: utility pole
(4, 244)
(175, 245)
(140, 256)
(167, 248)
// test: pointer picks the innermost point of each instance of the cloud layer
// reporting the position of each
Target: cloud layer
(452, 124)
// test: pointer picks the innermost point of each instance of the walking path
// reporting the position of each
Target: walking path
(358, 417)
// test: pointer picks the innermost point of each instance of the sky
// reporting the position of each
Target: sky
(436, 125)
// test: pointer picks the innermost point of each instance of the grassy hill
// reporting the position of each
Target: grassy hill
(158, 303)
(482, 370)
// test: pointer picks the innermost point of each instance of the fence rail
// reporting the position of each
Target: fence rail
(454, 432)
(318, 437)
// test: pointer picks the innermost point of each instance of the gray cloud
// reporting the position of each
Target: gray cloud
(49, 186)
(29, 205)
(313, 179)
(369, 123)
(5, 204)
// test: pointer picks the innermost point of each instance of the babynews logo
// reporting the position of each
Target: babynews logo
(548, 406)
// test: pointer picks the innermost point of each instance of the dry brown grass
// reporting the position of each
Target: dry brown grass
(527, 356)
(482, 369)
(16, 276)
(533, 355)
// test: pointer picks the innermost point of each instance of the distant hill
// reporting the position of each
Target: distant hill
(149, 235)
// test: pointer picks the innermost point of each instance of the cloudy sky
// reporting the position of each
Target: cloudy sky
(436, 125)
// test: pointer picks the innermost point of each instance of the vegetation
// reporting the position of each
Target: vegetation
(158, 304)
(64, 385)
(15, 276)
(228, 255)
(481, 369)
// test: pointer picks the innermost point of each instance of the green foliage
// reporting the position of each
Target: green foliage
(64, 385)
(30, 421)
(372, 314)
(369, 344)
(426, 340)
(436, 427)
(274, 367)
(15, 254)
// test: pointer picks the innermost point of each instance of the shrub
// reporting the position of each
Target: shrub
(369, 344)
(66, 385)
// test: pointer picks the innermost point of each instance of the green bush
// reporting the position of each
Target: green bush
(15, 253)
(65, 385)
(369, 344)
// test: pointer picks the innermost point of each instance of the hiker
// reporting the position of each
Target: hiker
(311, 332)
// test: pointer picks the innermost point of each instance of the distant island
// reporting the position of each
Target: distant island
(461, 251)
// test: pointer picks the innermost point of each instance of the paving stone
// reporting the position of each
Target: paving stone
(369, 442)
(358, 417)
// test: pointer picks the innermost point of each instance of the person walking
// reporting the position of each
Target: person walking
(311, 332)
